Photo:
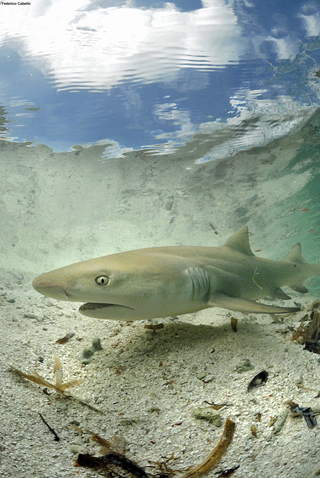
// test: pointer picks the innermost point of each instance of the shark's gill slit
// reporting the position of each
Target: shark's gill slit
(200, 281)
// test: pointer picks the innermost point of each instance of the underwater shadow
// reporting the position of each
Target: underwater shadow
(184, 337)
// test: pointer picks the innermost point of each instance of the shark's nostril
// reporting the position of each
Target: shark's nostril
(53, 291)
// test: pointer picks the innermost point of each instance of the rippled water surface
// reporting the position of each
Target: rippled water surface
(152, 74)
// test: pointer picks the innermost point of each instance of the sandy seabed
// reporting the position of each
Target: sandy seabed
(147, 384)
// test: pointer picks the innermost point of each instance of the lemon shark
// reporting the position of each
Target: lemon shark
(168, 281)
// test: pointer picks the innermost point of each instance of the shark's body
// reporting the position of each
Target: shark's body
(169, 281)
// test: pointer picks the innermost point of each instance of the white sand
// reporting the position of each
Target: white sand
(147, 385)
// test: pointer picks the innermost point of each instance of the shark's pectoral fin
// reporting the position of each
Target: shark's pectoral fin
(218, 299)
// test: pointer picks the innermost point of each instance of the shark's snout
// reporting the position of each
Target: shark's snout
(44, 287)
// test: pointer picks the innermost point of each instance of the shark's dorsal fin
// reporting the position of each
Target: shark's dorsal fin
(240, 241)
(295, 255)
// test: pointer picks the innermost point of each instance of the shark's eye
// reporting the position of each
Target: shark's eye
(102, 280)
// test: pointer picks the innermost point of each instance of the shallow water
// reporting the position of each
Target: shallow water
(131, 124)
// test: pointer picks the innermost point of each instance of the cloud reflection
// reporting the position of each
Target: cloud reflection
(286, 48)
(311, 24)
(81, 46)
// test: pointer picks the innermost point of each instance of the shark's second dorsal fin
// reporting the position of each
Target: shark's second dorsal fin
(240, 241)
(295, 255)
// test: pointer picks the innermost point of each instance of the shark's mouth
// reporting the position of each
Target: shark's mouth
(94, 306)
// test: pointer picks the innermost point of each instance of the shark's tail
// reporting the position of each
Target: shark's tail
(295, 257)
